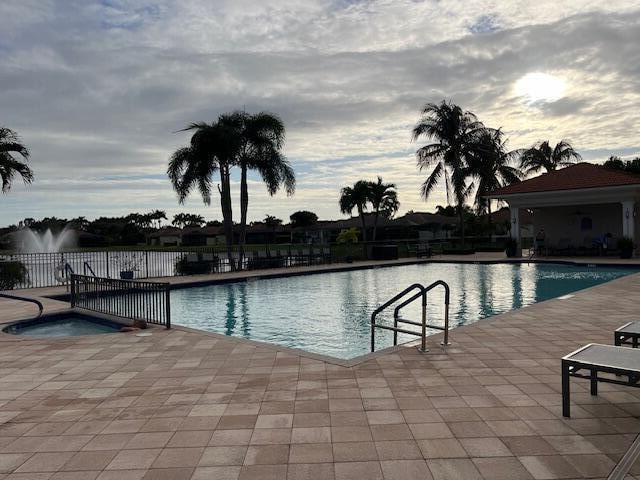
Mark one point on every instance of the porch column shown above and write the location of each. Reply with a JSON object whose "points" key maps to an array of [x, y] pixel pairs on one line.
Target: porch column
{"points": [[628, 221], [515, 228]]}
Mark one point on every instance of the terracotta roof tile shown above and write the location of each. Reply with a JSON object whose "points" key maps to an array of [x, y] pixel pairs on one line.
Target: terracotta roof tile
{"points": [[578, 176]]}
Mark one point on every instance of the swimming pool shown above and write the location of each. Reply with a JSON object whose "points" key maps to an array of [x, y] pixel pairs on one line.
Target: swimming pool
{"points": [[329, 313]]}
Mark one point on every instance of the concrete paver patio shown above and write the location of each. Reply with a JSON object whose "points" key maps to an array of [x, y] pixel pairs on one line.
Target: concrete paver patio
{"points": [[187, 405]]}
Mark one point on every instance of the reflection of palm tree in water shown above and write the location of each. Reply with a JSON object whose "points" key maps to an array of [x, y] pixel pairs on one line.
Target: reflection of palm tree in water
{"points": [[517, 287], [486, 300], [358, 303], [246, 324], [461, 314], [230, 322]]}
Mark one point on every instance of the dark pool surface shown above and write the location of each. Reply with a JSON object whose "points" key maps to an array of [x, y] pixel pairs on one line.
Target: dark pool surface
{"points": [[63, 325]]}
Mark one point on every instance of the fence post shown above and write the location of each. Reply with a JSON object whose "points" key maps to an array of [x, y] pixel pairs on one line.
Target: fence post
{"points": [[167, 299], [146, 263], [107, 255], [73, 290]]}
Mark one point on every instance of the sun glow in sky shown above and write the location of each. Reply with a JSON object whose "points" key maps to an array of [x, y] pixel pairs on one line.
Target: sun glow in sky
{"points": [[539, 87]]}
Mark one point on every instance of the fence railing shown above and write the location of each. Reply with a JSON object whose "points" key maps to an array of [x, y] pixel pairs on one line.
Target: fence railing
{"points": [[52, 269], [134, 299]]}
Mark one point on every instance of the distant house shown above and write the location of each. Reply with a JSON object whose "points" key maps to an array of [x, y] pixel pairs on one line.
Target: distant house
{"points": [[187, 236], [166, 237], [418, 225], [576, 206]]}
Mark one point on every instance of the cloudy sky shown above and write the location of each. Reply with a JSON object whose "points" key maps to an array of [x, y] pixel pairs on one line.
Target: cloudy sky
{"points": [[97, 89]]}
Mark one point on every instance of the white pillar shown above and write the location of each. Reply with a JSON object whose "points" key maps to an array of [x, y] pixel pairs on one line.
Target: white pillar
{"points": [[628, 221], [515, 228]]}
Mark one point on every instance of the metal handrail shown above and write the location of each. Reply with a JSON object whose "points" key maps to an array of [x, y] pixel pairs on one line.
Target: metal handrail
{"points": [[447, 295], [382, 307], [25, 299], [86, 266], [422, 293]]}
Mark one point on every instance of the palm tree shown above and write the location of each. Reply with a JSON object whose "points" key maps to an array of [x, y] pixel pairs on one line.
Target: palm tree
{"points": [[212, 149], [182, 220], [489, 166], [261, 138], [356, 197], [453, 132], [158, 216], [9, 165], [542, 156], [384, 199]]}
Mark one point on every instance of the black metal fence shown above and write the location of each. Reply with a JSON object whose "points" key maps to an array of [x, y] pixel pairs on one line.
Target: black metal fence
{"points": [[53, 269], [134, 299]]}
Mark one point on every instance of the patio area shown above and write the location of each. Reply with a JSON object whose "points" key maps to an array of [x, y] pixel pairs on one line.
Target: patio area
{"points": [[193, 405]]}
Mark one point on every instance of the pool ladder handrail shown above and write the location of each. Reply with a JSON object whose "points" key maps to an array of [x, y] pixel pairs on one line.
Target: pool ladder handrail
{"points": [[86, 266], [422, 293], [25, 299]]}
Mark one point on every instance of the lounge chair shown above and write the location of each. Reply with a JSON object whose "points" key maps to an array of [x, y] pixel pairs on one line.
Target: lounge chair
{"points": [[595, 358], [627, 334]]}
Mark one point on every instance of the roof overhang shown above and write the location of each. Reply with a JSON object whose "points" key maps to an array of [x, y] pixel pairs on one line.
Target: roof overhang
{"points": [[583, 196]]}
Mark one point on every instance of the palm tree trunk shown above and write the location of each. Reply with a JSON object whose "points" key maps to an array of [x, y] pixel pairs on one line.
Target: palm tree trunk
{"points": [[489, 221], [375, 224], [364, 224], [244, 206], [227, 212], [461, 220]]}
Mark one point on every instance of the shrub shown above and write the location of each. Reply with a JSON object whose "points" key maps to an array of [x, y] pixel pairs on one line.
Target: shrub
{"points": [[625, 245], [199, 267], [13, 274], [349, 235]]}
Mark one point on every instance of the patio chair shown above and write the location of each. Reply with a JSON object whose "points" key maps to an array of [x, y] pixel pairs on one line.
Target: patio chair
{"points": [[627, 334], [593, 359]]}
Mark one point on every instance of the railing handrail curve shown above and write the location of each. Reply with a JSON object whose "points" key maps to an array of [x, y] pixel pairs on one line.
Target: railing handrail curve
{"points": [[398, 297], [25, 299], [422, 293]]}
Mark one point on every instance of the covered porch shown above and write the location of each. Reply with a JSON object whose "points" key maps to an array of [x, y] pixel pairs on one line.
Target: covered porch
{"points": [[582, 210]]}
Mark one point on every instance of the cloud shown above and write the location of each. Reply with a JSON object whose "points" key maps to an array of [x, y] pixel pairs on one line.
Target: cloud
{"points": [[97, 90]]}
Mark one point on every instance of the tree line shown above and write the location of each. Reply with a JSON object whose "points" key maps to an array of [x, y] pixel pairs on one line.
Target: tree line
{"points": [[462, 155]]}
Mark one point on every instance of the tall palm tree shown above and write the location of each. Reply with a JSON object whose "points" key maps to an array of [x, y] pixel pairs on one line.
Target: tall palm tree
{"points": [[212, 149], [542, 156], [490, 167], [261, 138], [384, 199], [356, 197], [453, 132], [157, 216], [9, 165]]}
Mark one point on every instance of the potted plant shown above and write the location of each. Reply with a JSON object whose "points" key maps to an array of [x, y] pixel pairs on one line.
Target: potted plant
{"points": [[127, 267], [625, 245], [511, 247]]}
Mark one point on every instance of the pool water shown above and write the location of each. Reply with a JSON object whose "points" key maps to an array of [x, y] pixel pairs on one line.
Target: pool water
{"points": [[330, 313], [64, 325]]}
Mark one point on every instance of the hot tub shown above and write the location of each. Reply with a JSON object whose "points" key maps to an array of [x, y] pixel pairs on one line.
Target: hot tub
{"points": [[65, 324]]}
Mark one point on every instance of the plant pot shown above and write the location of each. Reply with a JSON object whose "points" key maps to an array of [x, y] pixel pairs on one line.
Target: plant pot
{"points": [[126, 275]]}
